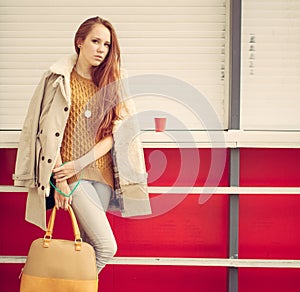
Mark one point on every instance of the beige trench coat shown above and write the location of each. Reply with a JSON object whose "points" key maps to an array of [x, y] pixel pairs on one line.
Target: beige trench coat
{"points": [[41, 138]]}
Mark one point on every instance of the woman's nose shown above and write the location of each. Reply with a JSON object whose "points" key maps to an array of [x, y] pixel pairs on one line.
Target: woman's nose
{"points": [[100, 48]]}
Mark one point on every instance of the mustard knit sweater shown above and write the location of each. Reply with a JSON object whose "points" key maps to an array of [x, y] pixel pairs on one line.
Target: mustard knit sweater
{"points": [[80, 132]]}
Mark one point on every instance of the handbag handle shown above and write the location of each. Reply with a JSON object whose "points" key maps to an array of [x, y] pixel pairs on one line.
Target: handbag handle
{"points": [[49, 232]]}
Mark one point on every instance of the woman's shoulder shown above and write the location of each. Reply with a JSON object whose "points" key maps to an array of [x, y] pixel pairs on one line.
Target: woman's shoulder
{"points": [[49, 77], [61, 68]]}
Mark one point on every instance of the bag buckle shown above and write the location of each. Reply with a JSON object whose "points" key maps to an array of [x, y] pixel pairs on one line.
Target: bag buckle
{"points": [[47, 239], [78, 242]]}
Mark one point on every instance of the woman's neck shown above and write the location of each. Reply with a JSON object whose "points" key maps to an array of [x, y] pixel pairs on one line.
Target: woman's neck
{"points": [[82, 70]]}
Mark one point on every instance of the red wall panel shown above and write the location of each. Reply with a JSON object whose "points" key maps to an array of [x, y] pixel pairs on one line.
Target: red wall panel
{"points": [[187, 229], [269, 224], [269, 280], [8, 160], [9, 277], [187, 167], [270, 167], [163, 279]]}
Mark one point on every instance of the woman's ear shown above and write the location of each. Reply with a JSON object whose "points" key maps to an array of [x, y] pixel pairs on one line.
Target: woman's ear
{"points": [[79, 44]]}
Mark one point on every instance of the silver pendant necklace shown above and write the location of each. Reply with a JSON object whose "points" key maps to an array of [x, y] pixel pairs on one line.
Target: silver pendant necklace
{"points": [[87, 112]]}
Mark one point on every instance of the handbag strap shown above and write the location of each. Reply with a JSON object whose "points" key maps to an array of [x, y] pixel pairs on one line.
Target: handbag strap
{"points": [[61, 192], [49, 232]]}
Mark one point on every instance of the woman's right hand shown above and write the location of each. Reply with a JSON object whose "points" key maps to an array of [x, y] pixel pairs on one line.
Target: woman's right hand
{"points": [[60, 200]]}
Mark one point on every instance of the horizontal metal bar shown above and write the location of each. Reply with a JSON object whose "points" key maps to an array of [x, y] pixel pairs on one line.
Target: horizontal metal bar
{"points": [[196, 262], [208, 262], [196, 190], [225, 190]]}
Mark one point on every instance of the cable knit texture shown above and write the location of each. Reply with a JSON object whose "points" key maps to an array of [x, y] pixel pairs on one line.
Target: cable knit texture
{"points": [[80, 132]]}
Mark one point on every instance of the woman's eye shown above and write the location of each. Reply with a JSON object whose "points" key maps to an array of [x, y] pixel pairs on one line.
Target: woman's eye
{"points": [[107, 45], [95, 41]]}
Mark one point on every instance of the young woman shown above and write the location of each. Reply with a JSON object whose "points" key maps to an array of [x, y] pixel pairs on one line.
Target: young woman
{"points": [[76, 128]]}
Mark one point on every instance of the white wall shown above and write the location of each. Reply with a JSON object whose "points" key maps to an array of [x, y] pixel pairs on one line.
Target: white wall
{"points": [[270, 95], [181, 38]]}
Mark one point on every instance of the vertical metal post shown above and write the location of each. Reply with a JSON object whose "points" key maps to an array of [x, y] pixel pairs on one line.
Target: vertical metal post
{"points": [[235, 64], [234, 124], [234, 219]]}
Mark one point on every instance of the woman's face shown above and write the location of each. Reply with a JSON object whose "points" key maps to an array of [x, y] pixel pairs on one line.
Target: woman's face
{"points": [[95, 47]]}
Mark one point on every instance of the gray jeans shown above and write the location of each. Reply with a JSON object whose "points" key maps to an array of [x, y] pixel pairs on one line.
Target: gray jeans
{"points": [[90, 202]]}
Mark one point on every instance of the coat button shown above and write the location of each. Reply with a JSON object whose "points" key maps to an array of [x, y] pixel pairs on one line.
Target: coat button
{"points": [[43, 157], [66, 109], [39, 184], [57, 134], [42, 187], [49, 160]]}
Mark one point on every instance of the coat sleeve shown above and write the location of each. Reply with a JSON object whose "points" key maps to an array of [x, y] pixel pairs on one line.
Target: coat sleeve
{"points": [[25, 171], [128, 147], [131, 190]]}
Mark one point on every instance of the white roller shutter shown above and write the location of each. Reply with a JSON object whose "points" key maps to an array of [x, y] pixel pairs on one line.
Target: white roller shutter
{"points": [[270, 94], [181, 38]]}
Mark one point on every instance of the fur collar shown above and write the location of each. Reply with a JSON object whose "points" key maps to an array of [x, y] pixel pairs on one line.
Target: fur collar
{"points": [[64, 65]]}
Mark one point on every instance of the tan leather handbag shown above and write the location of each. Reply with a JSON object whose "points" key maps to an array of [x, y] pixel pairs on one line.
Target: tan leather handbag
{"points": [[60, 265]]}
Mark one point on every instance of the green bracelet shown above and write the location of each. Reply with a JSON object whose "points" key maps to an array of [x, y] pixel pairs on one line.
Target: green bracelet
{"points": [[61, 192]]}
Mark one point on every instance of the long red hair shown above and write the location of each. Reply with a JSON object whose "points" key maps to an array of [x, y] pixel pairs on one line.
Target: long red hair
{"points": [[105, 76]]}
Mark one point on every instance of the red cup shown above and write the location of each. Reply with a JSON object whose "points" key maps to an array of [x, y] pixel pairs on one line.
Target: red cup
{"points": [[160, 124]]}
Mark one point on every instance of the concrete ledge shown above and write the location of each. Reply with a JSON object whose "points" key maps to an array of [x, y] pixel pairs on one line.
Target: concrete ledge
{"points": [[198, 139]]}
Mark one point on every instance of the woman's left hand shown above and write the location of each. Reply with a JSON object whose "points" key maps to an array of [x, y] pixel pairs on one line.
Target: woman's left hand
{"points": [[62, 201], [64, 172]]}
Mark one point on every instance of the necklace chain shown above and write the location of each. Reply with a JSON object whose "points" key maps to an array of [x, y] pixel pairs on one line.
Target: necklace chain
{"points": [[81, 74]]}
